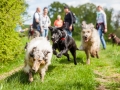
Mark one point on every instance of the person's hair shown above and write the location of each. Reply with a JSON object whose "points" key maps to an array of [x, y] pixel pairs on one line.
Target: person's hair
{"points": [[58, 16], [66, 7], [100, 7], [45, 8], [37, 8]]}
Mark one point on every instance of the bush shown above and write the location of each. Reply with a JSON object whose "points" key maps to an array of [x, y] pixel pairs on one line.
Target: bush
{"points": [[10, 15]]}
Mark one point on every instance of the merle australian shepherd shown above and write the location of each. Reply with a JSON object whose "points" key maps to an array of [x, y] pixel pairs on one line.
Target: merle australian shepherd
{"points": [[63, 43]]}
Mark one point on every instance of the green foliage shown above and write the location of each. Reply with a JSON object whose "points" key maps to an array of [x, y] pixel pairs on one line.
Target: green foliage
{"points": [[56, 8], [6, 67], [10, 15]]}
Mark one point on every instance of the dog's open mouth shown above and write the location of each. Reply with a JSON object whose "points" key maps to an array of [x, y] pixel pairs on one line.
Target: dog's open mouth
{"points": [[85, 39], [54, 41]]}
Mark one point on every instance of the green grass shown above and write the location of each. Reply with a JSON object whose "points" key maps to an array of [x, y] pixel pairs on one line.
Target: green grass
{"points": [[64, 75]]}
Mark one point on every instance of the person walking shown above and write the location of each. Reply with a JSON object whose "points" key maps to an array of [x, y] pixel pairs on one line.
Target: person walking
{"points": [[45, 22], [101, 25], [68, 21]]}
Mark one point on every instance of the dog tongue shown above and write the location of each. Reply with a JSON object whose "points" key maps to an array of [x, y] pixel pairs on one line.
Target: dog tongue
{"points": [[86, 40]]}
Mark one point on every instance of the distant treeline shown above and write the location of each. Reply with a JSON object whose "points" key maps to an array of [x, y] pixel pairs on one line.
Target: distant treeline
{"points": [[85, 12]]}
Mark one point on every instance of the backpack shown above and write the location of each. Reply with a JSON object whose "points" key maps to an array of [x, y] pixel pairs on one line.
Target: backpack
{"points": [[74, 17]]}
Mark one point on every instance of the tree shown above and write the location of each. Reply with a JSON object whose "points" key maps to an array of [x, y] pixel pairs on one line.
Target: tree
{"points": [[117, 20], [56, 8], [10, 15], [87, 12]]}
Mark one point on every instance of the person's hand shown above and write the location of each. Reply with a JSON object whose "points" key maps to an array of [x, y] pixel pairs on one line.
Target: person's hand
{"points": [[41, 30], [70, 28], [105, 31]]}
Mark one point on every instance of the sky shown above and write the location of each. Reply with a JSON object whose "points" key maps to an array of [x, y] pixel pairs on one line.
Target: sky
{"points": [[115, 4]]}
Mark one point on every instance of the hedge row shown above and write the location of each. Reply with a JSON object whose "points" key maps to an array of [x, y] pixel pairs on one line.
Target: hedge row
{"points": [[10, 15]]}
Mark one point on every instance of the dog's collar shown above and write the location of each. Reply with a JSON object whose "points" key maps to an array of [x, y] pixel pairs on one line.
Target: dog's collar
{"points": [[62, 38]]}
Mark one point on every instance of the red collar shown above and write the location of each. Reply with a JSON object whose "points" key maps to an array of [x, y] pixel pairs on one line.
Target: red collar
{"points": [[62, 39]]}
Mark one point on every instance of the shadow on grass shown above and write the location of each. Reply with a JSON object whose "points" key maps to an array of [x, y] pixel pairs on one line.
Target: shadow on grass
{"points": [[19, 77], [22, 77], [65, 61]]}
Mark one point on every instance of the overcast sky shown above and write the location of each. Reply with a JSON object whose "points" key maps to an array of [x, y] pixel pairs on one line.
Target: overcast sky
{"points": [[115, 4]]}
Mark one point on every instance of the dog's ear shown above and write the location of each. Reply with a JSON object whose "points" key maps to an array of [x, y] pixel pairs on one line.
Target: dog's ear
{"points": [[63, 33], [61, 28], [91, 25], [50, 28], [114, 35], [31, 53], [45, 52], [84, 25]]}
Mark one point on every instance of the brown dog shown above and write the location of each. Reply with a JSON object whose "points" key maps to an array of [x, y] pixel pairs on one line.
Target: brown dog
{"points": [[115, 39]]}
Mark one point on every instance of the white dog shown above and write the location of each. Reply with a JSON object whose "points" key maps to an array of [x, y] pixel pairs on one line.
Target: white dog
{"points": [[90, 41], [38, 57]]}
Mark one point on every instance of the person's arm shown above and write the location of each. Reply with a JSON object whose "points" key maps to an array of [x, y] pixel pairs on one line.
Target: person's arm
{"points": [[37, 17], [61, 23], [71, 21], [49, 22], [55, 23], [105, 21], [41, 23]]}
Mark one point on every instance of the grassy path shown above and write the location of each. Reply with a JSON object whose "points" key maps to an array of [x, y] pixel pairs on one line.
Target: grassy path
{"points": [[7, 74], [101, 74]]}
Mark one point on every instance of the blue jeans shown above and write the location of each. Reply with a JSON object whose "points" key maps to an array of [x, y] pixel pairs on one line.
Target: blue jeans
{"points": [[102, 38], [44, 33], [38, 28], [69, 32]]}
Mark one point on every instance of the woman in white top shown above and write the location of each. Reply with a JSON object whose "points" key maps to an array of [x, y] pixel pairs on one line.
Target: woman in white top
{"points": [[45, 22], [101, 25]]}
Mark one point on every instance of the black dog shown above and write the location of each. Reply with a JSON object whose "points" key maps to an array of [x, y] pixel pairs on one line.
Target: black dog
{"points": [[63, 43]]}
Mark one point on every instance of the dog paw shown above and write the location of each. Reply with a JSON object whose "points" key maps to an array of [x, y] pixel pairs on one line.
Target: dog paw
{"points": [[59, 55], [30, 79], [88, 62]]}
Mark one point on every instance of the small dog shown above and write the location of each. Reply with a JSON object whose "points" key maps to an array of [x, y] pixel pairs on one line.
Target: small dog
{"points": [[115, 39], [63, 43], [30, 32], [90, 41]]}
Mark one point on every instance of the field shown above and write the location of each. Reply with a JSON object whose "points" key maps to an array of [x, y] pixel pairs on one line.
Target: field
{"points": [[101, 74]]}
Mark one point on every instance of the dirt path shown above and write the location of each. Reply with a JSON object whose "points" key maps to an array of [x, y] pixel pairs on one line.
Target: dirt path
{"points": [[114, 77], [5, 75]]}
